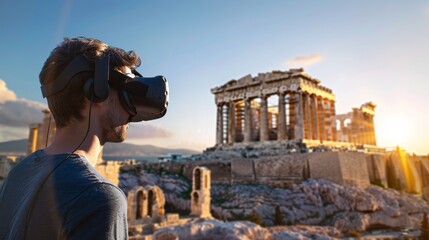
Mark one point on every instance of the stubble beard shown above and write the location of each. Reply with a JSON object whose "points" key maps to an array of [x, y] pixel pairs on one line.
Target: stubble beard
{"points": [[117, 134], [116, 129]]}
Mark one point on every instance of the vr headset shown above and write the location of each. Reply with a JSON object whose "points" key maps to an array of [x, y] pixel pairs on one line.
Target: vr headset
{"points": [[143, 98]]}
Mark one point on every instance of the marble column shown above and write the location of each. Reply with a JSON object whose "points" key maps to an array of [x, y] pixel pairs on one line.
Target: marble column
{"points": [[248, 120], [373, 139], [299, 120], [307, 116], [364, 127], [321, 119], [292, 120], [328, 120], [45, 132], [334, 122], [368, 132], [281, 120], [32, 138], [239, 121], [314, 117], [231, 122], [264, 119], [219, 125], [356, 129]]}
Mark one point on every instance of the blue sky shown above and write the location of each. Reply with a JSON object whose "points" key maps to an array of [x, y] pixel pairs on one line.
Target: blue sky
{"points": [[363, 50]]}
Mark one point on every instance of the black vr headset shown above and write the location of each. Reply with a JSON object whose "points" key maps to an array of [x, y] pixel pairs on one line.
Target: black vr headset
{"points": [[143, 98]]}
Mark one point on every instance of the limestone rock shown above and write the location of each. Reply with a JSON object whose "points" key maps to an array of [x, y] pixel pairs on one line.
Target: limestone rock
{"points": [[166, 236], [304, 233], [312, 202], [213, 229], [127, 181], [351, 221]]}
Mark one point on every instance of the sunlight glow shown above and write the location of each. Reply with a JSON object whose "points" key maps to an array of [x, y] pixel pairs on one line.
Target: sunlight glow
{"points": [[394, 132]]}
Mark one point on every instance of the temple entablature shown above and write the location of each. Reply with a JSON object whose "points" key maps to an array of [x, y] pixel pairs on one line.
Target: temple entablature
{"points": [[272, 83]]}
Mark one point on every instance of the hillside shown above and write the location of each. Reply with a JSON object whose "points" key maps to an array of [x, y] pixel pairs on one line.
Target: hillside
{"points": [[110, 149], [128, 149], [16, 146]]}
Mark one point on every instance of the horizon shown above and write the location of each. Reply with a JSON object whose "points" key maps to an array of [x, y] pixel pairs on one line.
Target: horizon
{"points": [[363, 51]]}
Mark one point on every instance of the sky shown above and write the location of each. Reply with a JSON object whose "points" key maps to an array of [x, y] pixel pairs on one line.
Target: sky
{"points": [[363, 50]]}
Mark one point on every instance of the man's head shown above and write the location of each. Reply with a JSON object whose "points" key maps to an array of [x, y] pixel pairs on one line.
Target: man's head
{"points": [[67, 105]]}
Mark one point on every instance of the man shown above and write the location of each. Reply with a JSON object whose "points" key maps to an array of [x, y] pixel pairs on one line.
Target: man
{"points": [[55, 193]]}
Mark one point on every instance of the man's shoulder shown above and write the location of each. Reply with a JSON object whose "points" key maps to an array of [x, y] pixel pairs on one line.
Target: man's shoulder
{"points": [[77, 170], [77, 174], [105, 193]]}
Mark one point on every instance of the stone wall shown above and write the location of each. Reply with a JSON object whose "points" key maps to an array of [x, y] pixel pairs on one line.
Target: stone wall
{"points": [[394, 169], [109, 170], [424, 173], [354, 169], [346, 168], [326, 165], [403, 172], [281, 171], [242, 171], [220, 170], [377, 169]]}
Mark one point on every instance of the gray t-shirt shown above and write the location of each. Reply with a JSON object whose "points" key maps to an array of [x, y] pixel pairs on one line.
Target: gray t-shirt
{"points": [[51, 197]]}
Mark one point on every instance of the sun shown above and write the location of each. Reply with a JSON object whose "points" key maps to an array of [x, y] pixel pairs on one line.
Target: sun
{"points": [[394, 131]]}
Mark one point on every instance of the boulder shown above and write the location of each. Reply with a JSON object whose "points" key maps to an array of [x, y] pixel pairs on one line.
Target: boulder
{"points": [[214, 229]]}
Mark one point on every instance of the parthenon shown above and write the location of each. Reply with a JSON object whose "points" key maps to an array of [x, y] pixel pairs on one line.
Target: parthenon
{"points": [[282, 106], [357, 126]]}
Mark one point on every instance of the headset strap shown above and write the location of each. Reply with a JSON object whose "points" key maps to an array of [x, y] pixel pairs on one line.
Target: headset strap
{"points": [[78, 64]]}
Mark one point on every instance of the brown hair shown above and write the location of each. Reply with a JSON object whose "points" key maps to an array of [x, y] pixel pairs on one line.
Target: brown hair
{"points": [[68, 104]]}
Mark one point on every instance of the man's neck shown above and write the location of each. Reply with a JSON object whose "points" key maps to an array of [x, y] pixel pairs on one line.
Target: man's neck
{"points": [[67, 140]]}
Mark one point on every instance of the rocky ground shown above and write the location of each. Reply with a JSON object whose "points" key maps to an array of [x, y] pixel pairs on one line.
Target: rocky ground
{"points": [[334, 208], [243, 230]]}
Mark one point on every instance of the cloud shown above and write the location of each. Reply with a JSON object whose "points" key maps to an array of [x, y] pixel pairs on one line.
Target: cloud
{"points": [[303, 61], [12, 133], [5, 93], [18, 112], [137, 131], [21, 113]]}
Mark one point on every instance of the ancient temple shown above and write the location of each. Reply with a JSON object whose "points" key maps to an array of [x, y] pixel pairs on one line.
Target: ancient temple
{"points": [[357, 126], [287, 106], [304, 109]]}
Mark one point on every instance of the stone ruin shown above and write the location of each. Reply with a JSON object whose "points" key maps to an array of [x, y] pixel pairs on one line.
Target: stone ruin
{"points": [[145, 203], [357, 126], [200, 196], [303, 113], [146, 212]]}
